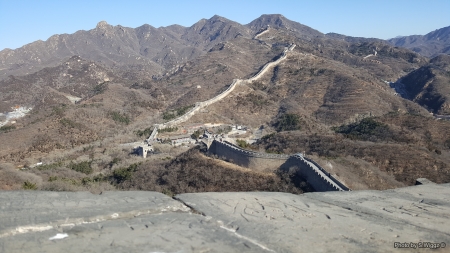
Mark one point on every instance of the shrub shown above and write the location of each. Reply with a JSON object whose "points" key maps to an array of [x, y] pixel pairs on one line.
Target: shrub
{"points": [[193, 172], [242, 143], [95, 179], [114, 161], [90, 147], [100, 88], [119, 117], [447, 143], [69, 123], [83, 167], [196, 134], [27, 185], [183, 110], [177, 112], [367, 130], [288, 122], [7, 128], [169, 115], [59, 111], [145, 132], [168, 129], [225, 130], [123, 174], [49, 166], [168, 192], [267, 136]]}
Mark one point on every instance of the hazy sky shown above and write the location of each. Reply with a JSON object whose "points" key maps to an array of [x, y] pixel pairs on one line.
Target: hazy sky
{"points": [[23, 22]]}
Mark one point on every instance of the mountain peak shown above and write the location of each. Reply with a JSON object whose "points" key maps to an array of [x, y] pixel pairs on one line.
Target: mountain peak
{"points": [[272, 16], [102, 24], [280, 21], [216, 18]]}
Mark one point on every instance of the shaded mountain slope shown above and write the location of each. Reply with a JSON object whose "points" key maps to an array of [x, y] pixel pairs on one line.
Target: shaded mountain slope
{"points": [[429, 85]]}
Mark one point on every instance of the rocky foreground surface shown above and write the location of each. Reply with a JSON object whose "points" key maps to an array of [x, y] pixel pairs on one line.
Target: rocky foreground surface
{"points": [[358, 221]]}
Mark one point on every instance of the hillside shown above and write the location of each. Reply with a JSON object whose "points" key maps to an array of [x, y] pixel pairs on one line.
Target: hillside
{"points": [[92, 108], [145, 48], [429, 85]]}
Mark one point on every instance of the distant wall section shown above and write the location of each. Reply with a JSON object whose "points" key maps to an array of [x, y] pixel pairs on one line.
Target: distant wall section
{"points": [[246, 158]]}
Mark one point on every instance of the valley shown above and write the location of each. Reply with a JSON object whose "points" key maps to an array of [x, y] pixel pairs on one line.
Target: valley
{"points": [[293, 89]]}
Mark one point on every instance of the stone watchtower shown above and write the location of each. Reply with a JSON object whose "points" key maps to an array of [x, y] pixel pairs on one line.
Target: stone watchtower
{"points": [[143, 150]]}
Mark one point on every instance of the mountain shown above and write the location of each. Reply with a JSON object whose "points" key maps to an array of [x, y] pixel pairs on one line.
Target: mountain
{"points": [[279, 21], [430, 45], [152, 49], [96, 93]]}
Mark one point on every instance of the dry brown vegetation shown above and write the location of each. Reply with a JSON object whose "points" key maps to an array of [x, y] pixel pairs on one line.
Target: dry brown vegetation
{"points": [[410, 147], [323, 83], [193, 172]]}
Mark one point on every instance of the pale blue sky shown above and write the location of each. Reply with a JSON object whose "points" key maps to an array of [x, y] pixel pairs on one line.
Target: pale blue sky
{"points": [[23, 22]]}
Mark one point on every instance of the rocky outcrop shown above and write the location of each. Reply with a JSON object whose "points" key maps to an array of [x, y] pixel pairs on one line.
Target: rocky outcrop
{"points": [[358, 221]]}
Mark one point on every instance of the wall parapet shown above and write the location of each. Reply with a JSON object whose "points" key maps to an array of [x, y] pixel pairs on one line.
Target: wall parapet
{"points": [[253, 153], [345, 188], [317, 176], [321, 174]]}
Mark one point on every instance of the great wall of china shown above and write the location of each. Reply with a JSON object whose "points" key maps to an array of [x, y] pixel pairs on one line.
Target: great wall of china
{"points": [[200, 105], [315, 175]]}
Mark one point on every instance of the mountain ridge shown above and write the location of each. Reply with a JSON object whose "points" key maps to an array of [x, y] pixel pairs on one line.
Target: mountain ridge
{"points": [[430, 45], [330, 98], [154, 48]]}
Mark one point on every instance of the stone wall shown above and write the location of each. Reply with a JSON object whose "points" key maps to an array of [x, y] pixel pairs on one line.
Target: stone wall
{"points": [[246, 158], [329, 176], [201, 105], [315, 175], [272, 64]]}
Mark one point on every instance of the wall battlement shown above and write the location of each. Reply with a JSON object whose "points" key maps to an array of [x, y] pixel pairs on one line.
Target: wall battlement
{"points": [[246, 158], [313, 173]]}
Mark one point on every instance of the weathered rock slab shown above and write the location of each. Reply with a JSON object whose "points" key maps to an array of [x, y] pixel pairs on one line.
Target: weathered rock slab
{"points": [[358, 221], [34, 221], [26, 210]]}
